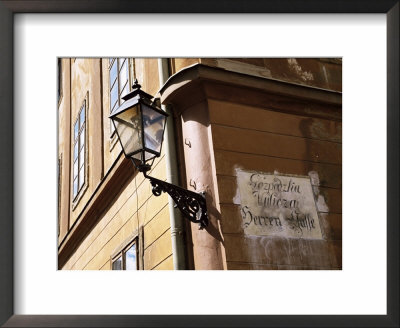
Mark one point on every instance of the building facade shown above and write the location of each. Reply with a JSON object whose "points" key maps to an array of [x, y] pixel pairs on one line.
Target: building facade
{"points": [[261, 137]]}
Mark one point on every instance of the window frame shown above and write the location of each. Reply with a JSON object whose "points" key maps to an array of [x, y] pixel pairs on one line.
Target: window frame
{"points": [[117, 83], [81, 181], [122, 255]]}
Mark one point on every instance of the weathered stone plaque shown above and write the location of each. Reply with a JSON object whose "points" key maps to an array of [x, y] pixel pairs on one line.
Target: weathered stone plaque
{"points": [[278, 205]]}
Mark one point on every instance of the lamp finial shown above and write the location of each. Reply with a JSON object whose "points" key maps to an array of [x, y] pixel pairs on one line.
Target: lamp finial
{"points": [[136, 85]]}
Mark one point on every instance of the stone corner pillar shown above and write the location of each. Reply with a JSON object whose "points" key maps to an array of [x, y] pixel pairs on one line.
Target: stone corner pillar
{"points": [[185, 92]]}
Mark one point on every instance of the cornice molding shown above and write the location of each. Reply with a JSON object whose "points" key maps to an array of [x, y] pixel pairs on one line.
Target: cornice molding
{"points": [[199, 82]]}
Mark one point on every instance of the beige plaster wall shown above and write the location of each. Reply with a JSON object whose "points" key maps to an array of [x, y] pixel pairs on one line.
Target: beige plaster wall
{"points": [[251, 138]]}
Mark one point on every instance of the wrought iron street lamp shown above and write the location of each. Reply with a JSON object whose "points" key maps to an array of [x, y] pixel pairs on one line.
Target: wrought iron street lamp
{"points": [[140, 126]]}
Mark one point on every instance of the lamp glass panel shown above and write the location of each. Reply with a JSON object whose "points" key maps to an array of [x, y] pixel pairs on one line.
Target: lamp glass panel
{"points": [[153, 124], [138, 156], [129, 129], [148, 156]]}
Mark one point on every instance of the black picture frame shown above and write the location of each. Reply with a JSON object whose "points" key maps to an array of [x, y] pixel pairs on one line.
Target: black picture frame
{"points": [[7, 11]]}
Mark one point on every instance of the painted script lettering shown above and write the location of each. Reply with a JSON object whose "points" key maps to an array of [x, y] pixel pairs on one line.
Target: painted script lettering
{"points": [[278, 205]]}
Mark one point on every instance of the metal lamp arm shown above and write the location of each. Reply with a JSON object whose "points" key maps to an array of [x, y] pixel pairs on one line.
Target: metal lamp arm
{"points": [[189, 202]]}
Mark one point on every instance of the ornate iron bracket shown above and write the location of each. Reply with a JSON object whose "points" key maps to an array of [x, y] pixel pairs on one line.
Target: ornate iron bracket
{"points": [[189, 202]]}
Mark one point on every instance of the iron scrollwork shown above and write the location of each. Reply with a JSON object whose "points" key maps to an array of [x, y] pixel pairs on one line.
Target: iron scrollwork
{"points": [[189, 202]]}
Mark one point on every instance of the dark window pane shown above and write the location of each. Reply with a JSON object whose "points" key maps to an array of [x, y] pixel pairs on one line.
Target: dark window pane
{"points": [[81, 176], [114, 95], [82, 116], [130, 258], [115, 105], [76, 129], [121, 62], [113, 73], [123, 75], [75, 151], [124, 92], [117, 264], [81, 157], [75, 168], [75, 187], [82, 139]]}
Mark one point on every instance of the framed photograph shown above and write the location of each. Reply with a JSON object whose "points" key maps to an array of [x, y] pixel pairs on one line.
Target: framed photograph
{"points": [[113, 112]]}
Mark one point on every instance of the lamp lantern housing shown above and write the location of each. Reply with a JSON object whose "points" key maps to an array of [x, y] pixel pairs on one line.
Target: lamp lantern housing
{"points": [[140, 127]]}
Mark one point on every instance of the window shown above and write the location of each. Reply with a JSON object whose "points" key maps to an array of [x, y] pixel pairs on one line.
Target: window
{"points": [[119, 82], [129, 254], [79, 151], [127, 259]]}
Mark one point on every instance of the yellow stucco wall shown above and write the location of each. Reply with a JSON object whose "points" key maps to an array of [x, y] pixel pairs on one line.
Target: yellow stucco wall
{"points": [[63, 150], [132, 209], [135, 208], [82, 91]]}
